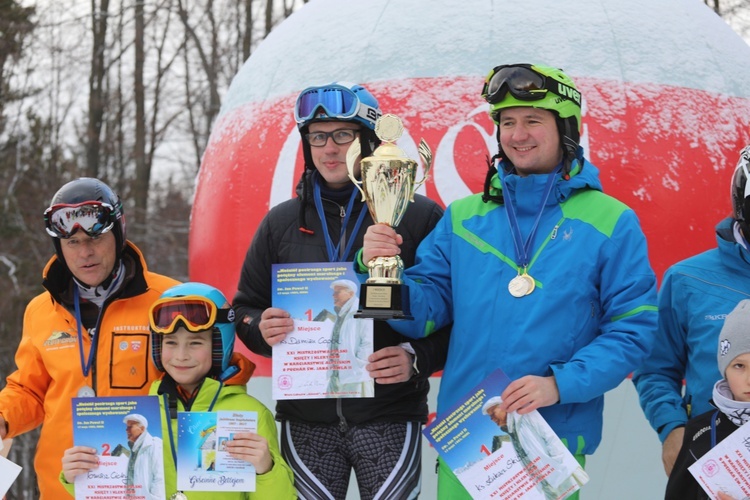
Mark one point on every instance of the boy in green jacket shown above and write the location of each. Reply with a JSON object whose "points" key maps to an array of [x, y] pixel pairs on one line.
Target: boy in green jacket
{"points": [[192, 341]]}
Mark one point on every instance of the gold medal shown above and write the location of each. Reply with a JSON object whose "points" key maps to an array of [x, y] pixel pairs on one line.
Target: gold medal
{"points": [[531, 282], [519, 286], [178, 496]]}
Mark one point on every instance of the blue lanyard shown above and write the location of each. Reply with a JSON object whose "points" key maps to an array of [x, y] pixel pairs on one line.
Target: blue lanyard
{"points": [[86, 366], [334, 250], [523, 249]]}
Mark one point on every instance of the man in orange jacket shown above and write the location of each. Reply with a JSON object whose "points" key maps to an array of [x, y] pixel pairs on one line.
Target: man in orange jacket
{"points": [[88, 334]]}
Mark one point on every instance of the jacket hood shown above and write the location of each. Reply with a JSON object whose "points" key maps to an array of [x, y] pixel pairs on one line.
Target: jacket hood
{"points": [[732, 254], [725, 230]]}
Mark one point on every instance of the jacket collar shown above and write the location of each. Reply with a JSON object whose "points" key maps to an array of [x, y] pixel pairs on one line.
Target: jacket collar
{"points": [[209, 391], [731, 253], [59, 282], [582, 176]]}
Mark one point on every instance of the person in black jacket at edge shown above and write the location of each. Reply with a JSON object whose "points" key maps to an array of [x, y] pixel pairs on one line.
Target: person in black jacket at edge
{"points": [[323, 439], [731, 398]]}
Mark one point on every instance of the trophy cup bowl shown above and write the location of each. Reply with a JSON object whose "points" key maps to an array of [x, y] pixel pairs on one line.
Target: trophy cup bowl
{"points": [[387, 186]]}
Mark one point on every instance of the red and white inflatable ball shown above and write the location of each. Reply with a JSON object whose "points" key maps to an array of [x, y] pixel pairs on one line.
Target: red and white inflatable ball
{"points": [[666, 107]]}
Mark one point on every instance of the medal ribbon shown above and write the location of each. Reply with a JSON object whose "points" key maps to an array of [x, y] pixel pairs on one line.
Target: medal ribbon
{"points": [[165, 398], [334, 250], [85, 366], [523, 249], [165, 403]]}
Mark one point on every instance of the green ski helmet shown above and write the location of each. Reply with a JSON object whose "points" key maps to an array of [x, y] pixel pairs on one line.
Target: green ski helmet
{"points": [[537, 86]]}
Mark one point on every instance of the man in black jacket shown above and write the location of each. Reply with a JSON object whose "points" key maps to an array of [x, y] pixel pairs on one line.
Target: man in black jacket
{"points": [[323, 439]]}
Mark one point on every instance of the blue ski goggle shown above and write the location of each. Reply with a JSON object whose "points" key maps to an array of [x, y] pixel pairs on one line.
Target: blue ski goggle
{"points": [[336, 101]]}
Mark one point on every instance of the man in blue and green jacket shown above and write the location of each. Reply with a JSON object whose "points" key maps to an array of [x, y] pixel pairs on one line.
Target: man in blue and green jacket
{"points": [[543, 275]]}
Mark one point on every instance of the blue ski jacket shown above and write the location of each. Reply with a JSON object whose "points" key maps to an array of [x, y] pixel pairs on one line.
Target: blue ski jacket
{"points": [[589, 322], [696, 295]]}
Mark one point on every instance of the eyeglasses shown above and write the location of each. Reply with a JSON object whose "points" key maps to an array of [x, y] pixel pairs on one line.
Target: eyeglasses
{"points": [[196, 313], [340, 136], [336, 101], [92, 217], [524, 84]]}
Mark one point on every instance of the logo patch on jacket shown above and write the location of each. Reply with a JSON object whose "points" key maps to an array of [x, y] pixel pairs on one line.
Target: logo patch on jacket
{"points": [[60, 339], [136, 345]]}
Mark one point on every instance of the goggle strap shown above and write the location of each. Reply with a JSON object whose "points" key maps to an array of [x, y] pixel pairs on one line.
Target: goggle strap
{"points": [[368, 112], [554, 86], [225, 316]]}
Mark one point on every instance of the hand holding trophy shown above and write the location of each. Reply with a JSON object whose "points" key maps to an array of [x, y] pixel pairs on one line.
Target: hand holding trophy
{"points": [[387, 186]]}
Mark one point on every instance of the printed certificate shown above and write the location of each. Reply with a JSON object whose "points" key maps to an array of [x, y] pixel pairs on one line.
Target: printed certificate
{"points": [[726, 467], [326, 354], [9, 471], [503, 455], [126, 431], [203, 464]]}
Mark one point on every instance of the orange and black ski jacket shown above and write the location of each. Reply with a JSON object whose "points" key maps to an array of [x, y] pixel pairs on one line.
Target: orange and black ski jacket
{"points": [[49, 369]]}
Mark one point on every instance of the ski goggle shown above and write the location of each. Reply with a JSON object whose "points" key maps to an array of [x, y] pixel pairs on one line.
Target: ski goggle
{"points": [[92, 217], [742, 172], [524, 84], [336, 101], [194, 312]]}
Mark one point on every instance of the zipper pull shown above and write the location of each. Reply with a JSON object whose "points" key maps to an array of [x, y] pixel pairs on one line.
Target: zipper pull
{"points": [[553, 235], [342, 211]]}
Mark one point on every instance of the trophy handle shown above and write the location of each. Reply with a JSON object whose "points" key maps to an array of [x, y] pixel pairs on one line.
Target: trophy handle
{"points": [[351, 159], [426, 154]]}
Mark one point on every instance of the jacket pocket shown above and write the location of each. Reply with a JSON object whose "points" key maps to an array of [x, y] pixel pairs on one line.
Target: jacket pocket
{"points": [[129, 360]]}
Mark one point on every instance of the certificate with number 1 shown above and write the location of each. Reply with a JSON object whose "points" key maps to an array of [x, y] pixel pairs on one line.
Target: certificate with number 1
{"points": [[326, 354]]}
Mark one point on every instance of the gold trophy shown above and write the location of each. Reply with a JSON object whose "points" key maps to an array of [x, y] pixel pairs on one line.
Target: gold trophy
{"points": [[387, 186]]}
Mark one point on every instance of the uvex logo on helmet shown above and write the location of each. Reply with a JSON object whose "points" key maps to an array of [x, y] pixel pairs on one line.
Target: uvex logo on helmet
{"points": [[569, 92]]}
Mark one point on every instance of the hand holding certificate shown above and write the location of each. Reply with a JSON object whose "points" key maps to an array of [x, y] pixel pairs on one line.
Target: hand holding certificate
{"points": [[129, 462], [496, 454], [204, 462], [726, 468], [326, 354]]}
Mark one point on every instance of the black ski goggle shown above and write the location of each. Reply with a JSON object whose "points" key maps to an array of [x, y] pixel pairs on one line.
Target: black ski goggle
{"points": [[524, 84]]}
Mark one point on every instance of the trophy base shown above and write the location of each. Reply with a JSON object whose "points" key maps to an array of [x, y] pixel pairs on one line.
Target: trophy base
{"points": [[384, 301]]}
